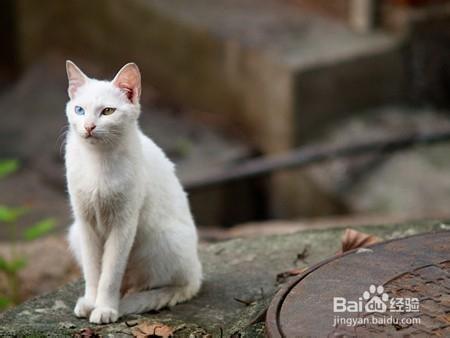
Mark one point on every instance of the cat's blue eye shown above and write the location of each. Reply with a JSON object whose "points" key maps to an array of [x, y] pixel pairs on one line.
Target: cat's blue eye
{"points": [[79, 110]]}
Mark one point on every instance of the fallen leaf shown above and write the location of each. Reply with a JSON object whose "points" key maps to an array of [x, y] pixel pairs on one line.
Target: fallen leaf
{"points": [[146, 329], [86, 333], [353, 239], [283, 276], [131, 323], [302, 255], [243, 301]]}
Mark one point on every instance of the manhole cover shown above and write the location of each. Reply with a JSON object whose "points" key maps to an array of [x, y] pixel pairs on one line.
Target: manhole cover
{"points": [[406, 282]]}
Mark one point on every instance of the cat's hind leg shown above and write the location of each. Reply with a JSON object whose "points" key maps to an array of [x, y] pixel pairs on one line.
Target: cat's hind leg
{"points": [[156, 299], [73, 237]]}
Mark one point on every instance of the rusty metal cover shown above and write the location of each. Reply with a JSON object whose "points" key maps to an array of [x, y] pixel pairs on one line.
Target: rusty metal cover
{"points": [[411, 276]]}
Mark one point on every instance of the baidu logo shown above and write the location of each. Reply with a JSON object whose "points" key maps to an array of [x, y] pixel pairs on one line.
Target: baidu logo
{"points": [[376, 299], [372, 300]]}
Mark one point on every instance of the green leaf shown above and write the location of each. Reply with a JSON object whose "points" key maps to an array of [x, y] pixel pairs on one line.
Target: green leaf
{"points": [[4, 302], [9, 215], [8, 167], [17, 264], [39, 229], [4, 265], [12, 266]]}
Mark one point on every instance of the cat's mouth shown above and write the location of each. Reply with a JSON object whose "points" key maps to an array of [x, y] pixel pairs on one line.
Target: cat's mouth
{"points": [[94, 138], [90, 136]]}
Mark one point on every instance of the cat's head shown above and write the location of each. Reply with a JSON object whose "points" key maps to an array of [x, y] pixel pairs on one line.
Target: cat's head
{"points": [[101, 111]]}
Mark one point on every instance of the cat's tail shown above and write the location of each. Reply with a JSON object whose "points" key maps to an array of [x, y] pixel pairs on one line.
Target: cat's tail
{"points": [[156, 299]]}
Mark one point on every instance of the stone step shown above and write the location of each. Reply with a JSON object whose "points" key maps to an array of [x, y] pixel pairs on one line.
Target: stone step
{"points": [[277, 70]]}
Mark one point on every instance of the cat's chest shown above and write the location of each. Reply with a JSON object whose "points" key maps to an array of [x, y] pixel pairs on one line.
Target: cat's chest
{"points": [[99, 193], [99, 190], [98, 181]]}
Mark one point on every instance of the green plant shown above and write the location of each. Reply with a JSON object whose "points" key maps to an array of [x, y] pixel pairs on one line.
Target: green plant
{"points": [[8, 167], [11, 266]]}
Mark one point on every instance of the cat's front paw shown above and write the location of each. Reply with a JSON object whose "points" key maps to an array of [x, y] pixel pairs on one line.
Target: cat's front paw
{"points": [[83, 307], [104, 315]]}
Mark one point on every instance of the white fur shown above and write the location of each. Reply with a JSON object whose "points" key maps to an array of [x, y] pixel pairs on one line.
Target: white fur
{"points": [[133, 234]]}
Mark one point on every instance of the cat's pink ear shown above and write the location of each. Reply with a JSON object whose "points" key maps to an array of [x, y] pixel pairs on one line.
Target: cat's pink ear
{"points": [[76, 78], [128, 79]]}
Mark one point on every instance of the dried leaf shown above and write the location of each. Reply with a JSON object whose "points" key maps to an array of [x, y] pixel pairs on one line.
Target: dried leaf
{"points": [[146, 329], [283, 276], [353, 239], [301, 256], [243, 301], [87, 332]]}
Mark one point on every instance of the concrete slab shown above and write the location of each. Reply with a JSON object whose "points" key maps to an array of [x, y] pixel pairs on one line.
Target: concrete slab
{"points": [[240, 280]]}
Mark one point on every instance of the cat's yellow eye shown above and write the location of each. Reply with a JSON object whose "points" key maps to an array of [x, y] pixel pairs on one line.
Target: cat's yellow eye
{"points": [[108, 111]]}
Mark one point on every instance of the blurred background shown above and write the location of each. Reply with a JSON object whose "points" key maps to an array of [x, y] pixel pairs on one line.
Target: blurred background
{"points": [[229, 86]]}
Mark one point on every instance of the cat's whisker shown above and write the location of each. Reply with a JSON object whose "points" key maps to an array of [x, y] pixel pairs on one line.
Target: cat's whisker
{"points": [[61, 136], [61, 139], [63, 127], [62, 131], [61, 146]]}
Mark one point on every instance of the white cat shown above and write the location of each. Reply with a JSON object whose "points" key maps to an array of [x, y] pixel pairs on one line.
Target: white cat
{"points": [[133, 235]]}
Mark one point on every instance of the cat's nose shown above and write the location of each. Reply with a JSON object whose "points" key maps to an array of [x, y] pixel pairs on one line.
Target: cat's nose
{"points": [[89, 127]]}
